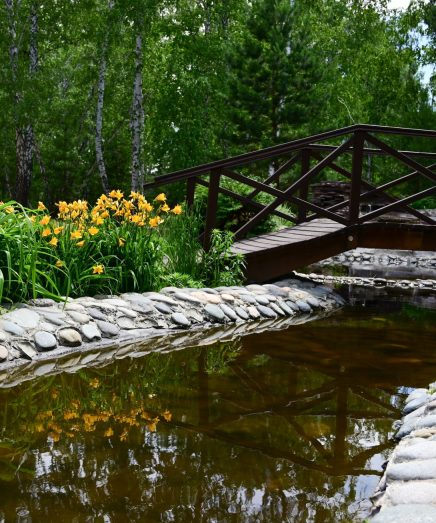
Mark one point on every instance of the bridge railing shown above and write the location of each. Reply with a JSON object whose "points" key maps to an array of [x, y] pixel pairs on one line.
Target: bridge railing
{"points": [[358, 142]]}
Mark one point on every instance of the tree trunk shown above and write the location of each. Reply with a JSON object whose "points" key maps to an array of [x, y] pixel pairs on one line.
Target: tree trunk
{"points": [[137, 120], [99, 119]]}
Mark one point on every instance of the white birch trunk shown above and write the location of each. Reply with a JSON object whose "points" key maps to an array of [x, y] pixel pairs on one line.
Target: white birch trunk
{"points": [[137, 120], [99, 119]]}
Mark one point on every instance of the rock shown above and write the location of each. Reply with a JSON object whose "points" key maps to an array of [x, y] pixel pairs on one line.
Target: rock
{"points": [[262, 299], [412, 513], [45, 341], [423, 450], [292, 305], [126, 323], [180, 319], [276, 291], [242, 313], [416, 403], [287, 310], [248, 298], [25, 318], [267, 312], [214, 312], [11, 327], [416, 492], [253, 312], [154, 296], [276, 309], [228, 311], [91, 332], [42, 302], [74, 307], [212, 298], [57, 318], [227, 297], [313, 302], [3, 353], [208, 290], [27, 350], [128, 312], [107, 329], [78, 317], [162, 307], [69, 337], [303, 306], [3, 336], [411, 470], [186, 297], [96, 314]]}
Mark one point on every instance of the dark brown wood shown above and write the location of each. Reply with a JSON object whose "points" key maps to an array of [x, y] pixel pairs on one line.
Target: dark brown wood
{"points": [[247, 201], [356, 176], [304, 190], [212, 205], [276, 175], [190, 191]]}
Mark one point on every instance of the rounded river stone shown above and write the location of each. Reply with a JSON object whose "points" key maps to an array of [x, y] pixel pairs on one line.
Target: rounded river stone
{"points": [[303, 306], [11, 327], [262, 299], [24, 318], [69, 337], [229, 312], [312, 301], [162, 307], [214, 312], [180, 319], [96, 314], [45, 340], [242, 313], [3, 353], [267, 312], [79, 317], [108, 329], [91, 332]]}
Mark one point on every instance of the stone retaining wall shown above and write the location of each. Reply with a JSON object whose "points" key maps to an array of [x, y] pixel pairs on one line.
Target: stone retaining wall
{"points": [[103, 327], [407, 490]]}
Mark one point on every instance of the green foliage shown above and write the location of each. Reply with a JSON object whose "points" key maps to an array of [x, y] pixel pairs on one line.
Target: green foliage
{"points": [[220, 266], [81, 253]]}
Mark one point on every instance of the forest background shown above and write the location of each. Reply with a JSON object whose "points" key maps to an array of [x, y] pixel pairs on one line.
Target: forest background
{"points": [[102, 94]]}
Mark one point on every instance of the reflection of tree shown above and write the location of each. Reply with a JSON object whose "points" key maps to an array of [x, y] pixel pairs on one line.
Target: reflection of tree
{"points": [[245, 432]]}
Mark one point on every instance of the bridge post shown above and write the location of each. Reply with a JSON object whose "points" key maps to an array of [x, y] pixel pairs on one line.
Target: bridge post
{"points": [[304, 190], [190, 192], [356, 176], [212, 206]]}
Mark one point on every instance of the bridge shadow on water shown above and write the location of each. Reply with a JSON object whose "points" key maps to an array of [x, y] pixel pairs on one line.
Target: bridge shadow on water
{"points": [[286, 426]]}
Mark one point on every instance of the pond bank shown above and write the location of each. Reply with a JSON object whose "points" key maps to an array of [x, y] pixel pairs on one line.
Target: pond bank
{"points": [[407, 490], [46, 330]]}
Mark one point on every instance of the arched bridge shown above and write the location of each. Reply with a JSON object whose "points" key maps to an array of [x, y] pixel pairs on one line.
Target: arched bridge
{"points": [[278, 181]]}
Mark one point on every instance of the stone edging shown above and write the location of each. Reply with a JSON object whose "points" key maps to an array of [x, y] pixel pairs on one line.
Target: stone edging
{"points": [[407, 490], [46, 330], [369, 282]]}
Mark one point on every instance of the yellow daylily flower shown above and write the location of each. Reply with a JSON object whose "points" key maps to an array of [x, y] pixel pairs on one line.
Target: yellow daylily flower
{"points": [[46, 232], [45, 220], [59, 263], [75, 235], [97, 269], [177, 209], [116, 194], [57, 230], [154, 222], [41, 207], [80, 244], [160, 197], [121, 242], [54, 241], [10, 209], [93, 231], [165, 207]]}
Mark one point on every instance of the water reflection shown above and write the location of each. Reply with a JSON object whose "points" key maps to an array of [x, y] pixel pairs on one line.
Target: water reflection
{"points": [[283, 426]]}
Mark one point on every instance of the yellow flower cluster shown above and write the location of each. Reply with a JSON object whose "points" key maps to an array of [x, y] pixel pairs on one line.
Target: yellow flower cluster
{"points": [[79, 223]]}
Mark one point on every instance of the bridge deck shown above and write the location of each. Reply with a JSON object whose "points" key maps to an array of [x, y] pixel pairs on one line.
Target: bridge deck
{"points": [[275, 254]]}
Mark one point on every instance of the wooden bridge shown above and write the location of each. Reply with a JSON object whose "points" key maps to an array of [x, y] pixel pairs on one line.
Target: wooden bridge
{"points": [[318, 231]]}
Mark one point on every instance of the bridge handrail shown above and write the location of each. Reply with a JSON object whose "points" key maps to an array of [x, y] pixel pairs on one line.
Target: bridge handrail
{"points": [[303, 150]]}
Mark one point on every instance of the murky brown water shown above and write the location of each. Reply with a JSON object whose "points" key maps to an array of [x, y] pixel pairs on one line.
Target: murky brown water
{"points": [[288, 426]]}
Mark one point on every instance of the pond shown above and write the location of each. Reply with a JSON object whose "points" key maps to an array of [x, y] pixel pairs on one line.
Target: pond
{"points": [[288, 426]]}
